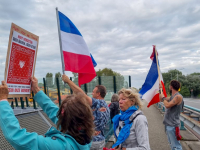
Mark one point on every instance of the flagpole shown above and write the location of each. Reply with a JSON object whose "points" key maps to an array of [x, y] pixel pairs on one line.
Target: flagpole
{"points": [[60, 42], [158, 68]]}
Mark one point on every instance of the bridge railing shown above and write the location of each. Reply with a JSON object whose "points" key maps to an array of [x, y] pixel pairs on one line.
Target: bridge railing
{"points": [[190, 118], [108, 131]]}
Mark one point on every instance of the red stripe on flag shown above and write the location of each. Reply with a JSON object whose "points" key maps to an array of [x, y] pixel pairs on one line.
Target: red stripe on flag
{"points": [[154, 100], [81, 64], [152, 55], [164, 91]]}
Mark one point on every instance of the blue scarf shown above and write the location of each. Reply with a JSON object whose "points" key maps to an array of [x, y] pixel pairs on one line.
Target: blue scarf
{"points": [[125, 131]]}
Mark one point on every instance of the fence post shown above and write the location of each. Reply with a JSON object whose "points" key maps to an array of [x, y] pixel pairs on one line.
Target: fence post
{"points": [[12, 105], [16, 102], [45, 90], [27, 105], [58, 89], [34, 105], [22, 102], [182, 126], [99, 80], [70, 88], [114, 84], [85, 87], [129, 81]]}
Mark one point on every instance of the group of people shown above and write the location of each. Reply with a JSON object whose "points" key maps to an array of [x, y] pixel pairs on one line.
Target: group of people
{"points": [[81, 120]]}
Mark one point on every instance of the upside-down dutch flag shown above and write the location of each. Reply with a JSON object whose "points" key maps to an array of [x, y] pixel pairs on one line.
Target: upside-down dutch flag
{"points": [[77, 57], [150, 88]]}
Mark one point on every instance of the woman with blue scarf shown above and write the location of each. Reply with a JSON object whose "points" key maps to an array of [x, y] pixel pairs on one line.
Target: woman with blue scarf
{"points": [[130, 126]]}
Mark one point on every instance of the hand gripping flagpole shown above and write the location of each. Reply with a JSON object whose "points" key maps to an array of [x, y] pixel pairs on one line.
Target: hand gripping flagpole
{"points": [[158, 68], [61, 51]]}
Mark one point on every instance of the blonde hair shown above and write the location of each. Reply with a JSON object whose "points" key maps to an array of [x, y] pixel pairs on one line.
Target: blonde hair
{"points": [[132, 96]]}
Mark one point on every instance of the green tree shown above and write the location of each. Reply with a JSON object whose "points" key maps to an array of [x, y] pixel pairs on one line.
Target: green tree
{"points": [[49, 79], [107, 79], [185, 91], [195, 73], [59, 76], [188, 82], [107, 72], [193, 84]]}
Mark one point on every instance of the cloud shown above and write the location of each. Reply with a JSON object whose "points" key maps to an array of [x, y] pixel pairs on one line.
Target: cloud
{"points": [[119, 34]]}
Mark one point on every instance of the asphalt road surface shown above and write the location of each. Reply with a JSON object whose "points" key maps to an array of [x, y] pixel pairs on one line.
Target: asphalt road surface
{"points": [[192, 102]]}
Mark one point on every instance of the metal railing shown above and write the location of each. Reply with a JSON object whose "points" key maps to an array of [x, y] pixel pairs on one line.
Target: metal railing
{"points": [[56, 89], [108, 131], [190, 118]]}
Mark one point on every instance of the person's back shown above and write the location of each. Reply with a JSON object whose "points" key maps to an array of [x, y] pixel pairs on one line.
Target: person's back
{"points": [[101, 114], [101, 118], [73, 119], [114, 106], [114, 109]]}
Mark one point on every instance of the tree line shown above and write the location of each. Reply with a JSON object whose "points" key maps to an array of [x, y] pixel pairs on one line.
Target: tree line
{"points": [[190, 84], [106, 75]]}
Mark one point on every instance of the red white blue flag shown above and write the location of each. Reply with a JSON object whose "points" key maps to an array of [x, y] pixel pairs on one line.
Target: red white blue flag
{"points": [[76, 55], [150, 88]]}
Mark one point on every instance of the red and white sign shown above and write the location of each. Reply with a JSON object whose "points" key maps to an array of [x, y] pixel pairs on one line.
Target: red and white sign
{"points": [[21, 63]]}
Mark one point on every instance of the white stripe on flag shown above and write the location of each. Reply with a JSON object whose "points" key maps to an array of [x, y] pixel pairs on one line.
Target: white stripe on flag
{"points": [[74, 43], [148, 96]]}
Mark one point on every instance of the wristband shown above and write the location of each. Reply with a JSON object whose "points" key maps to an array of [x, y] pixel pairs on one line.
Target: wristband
{"points": [[164, 98]]}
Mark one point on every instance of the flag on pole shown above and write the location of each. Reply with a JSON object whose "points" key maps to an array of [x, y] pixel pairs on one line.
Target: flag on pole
{"points": [[150, 88], [93, 61], [76, 55]]}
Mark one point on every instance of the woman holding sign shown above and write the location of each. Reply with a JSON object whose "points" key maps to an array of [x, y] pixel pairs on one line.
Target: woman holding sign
{"points": [[74, 122]]}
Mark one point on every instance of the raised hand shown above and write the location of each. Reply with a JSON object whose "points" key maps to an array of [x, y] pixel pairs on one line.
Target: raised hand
{"points": [[65, 78], [3, 90], [34, 85]]}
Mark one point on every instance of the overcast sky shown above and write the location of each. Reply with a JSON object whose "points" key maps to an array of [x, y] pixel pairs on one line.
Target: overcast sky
{"points": [[119, 34]]}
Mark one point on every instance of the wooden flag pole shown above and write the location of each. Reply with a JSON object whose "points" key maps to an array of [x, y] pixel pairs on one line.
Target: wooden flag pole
{"points": [[61, 52], [158, 68]]}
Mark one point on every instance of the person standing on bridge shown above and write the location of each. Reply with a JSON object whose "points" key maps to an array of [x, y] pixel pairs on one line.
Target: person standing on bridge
{"points": [[114, 106], [100, 110], [130, 126], [74, 122], [174, 105]]}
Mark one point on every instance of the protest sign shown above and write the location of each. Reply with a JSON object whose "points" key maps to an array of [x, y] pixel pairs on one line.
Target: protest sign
{"points": [[20, 61]]}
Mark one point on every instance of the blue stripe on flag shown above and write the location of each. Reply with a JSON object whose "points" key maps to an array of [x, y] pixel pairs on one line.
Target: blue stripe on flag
{"points": [[93, 61], [151, 77], [66, 25]]}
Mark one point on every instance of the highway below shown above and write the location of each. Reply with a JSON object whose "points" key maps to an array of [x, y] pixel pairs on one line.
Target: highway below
{"points": [[192, 102]]}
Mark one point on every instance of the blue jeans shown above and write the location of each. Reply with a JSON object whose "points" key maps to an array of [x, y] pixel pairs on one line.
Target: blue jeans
{"points": [[174, 143]]}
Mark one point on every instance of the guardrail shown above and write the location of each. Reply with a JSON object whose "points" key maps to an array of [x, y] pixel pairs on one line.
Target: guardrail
{"points": [[190, 118], [108, 131]]}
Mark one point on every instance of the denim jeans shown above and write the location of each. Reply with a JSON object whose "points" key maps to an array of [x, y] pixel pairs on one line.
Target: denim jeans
{"points": [[174, 143], [97, 145]]}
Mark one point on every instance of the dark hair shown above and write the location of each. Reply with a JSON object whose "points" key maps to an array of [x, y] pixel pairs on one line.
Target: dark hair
{"points": [[102, 90], [77, 119], [115, 98], [175, 84]]}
